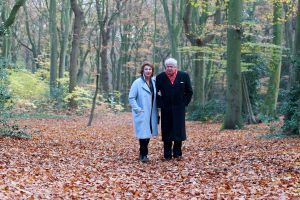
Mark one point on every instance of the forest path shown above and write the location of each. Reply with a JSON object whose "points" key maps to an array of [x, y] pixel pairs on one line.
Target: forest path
{"points": [[65, 159]]}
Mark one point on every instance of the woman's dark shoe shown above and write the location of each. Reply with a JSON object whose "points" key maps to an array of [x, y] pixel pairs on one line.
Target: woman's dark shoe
{"points": [[144, 159]]}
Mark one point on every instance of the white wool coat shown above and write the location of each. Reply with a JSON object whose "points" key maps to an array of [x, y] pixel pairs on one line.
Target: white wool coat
{"points": [[142, 109]]}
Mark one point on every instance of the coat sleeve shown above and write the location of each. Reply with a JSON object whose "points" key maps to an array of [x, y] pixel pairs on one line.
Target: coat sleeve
{"points": [[132, 97], [188, 91]]}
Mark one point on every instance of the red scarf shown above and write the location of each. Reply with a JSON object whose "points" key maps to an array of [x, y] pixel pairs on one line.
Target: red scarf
{"points": [[172, 78]]}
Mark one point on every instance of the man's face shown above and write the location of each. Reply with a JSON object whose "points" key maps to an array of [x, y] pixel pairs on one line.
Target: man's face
{"points": [[170, 70]]}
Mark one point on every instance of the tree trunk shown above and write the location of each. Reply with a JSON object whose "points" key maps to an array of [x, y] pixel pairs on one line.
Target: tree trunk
{"points": [[94, 101], [174, 24], [65, 30], [12, 17], [275, 63], [75, 49], [246, 102], [192, 21], [233, 71], [53, 47], [105, 22], [34, 51], [6, 37], [297, 48]]}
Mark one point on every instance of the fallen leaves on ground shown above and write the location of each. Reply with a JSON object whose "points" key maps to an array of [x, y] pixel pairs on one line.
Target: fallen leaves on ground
{"points": [[68, 160]]}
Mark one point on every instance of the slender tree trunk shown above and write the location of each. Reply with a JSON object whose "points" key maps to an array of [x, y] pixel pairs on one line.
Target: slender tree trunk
{"points": [[246, 102], [53, 47], [289, 41], [35, 65], [7, 37], [174, 23], [234, 93], [12, 16], [65, 30], [154, 36], [94, 101], [199, 79], [75, 49], [275, 63]]}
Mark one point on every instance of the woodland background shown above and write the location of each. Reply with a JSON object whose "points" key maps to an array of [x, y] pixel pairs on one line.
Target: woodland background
{"points": [[66, 63]]}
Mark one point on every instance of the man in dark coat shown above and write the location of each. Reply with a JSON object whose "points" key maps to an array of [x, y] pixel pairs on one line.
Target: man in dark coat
{"points": [[174, 93]]}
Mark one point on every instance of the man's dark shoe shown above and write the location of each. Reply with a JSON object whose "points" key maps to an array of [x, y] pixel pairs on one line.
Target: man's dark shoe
{"points": [[178, 157], [168, 158], [144, 159]]}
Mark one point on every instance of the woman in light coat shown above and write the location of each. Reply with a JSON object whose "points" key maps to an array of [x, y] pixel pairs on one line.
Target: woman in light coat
{"points": [[142, 98]]}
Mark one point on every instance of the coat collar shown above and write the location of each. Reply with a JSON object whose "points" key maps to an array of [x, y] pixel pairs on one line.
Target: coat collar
{"points": [[144, 84], [176, 78]]}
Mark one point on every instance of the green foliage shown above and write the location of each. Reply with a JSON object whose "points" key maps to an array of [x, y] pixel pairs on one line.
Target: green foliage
{"points": [[27, 86], [291, 108], [113, 99], [212, 110], [82, 97], [7, 130], [14, 131], [5, 95], [253, 73]]}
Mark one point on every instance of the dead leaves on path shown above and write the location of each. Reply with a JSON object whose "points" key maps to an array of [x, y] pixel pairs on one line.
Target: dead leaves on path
{"points": [[67, 160]]}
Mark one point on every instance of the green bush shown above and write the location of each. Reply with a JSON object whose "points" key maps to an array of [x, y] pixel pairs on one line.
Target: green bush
{"points": [[213, 110], [291, 108], [27, 86], [83, 98], [14, 131], [7, 130]]}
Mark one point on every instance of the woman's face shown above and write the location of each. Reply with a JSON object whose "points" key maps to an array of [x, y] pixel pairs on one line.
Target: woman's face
{"points": [[147, 71]]}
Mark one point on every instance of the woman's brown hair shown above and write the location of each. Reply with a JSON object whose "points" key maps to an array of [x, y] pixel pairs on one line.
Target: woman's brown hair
{"points": [[143, 67]]}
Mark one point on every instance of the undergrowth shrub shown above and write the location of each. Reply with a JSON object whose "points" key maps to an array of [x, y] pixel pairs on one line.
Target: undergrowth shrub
{"points": [[291, 109], [7, 130], [213, 110]]}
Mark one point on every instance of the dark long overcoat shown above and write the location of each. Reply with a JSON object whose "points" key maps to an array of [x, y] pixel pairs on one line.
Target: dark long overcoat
{"points": [[172, 100]]}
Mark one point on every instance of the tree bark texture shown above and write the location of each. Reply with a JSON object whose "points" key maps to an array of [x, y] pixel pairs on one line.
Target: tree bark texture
{"points": [[53, 47], [32, 42], [12, 17], [65, 30], [94, 101], [246, 102], [275, 63], [75, 49], [234, 93]]}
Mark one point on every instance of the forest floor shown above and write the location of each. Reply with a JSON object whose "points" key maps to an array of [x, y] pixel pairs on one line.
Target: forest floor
{"points": [[65, 159]]}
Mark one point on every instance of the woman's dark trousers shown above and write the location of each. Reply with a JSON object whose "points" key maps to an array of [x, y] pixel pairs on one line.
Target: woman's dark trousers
{"points": [[144, 147]]}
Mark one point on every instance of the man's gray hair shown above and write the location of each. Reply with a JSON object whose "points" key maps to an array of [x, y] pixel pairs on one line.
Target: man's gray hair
{"points": [[171, 61]]}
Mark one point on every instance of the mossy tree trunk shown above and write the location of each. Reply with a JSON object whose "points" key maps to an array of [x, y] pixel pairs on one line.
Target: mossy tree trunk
{"points": [[275, 63], [234, 93], [75, 49], [65, 31]]}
